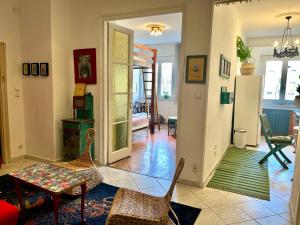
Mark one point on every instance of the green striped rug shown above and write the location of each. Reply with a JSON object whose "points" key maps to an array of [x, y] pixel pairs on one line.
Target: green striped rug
{"points": [[240, 172]]}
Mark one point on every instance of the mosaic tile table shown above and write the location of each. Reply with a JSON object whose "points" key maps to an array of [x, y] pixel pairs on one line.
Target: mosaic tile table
{"points": [[52, 179]]}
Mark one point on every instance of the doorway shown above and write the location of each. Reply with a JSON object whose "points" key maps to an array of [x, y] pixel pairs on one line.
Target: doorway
{"points": [[151, 154], [4, 134]]}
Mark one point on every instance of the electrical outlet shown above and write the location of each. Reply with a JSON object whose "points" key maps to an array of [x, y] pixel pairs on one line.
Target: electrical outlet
{"points": [[195, 167]]}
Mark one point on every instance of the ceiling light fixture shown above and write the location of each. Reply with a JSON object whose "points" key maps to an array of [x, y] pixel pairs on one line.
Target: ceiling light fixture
{"points": [[156, 29], [287, 47]]}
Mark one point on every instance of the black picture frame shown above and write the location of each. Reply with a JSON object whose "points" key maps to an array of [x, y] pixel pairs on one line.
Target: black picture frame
{"points": [[35, 71], [26, 69], [196, 66], [44, 69], [224, 67]]}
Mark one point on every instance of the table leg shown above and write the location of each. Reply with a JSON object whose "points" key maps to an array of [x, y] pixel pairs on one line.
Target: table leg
{"points": [[83, 194], [55, 199], [19, 194]]}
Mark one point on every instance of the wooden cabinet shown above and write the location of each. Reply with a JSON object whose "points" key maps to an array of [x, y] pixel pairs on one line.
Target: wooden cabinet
{"points": [[74, 137], [74, 130], [279, 120]]}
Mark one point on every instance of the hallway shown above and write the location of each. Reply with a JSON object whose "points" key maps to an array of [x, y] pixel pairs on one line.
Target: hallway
{"points": [[152, 155]]}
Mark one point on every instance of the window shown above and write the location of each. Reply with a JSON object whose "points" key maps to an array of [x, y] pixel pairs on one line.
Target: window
{"points": [[292, 80], [281, 79], [272, 79], [166, 80]]}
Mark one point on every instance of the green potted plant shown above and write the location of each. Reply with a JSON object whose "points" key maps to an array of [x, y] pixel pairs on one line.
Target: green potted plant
{"points": [[297, 98], [244, 54], [166, 94]]}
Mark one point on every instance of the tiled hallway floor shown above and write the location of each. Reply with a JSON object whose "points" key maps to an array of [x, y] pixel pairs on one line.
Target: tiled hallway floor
{"points": [[218, 207]]}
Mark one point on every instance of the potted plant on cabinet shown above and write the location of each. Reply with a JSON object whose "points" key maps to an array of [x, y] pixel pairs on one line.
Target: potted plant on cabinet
{"points": [[297, 98], [244, 54]]}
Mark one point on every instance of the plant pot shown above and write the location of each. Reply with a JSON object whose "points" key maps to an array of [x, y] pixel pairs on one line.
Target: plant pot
{"points": [[297, 101], [247, 69]]}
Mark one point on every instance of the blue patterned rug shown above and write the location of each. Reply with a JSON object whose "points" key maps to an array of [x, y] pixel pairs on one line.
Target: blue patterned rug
{"points": [[39, 210]]}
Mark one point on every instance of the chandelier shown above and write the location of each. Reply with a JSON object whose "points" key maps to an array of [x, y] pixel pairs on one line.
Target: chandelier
{"points": [[156, 29], [287, 47]]}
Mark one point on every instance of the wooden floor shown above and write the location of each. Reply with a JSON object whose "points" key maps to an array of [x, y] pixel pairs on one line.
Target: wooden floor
{"points": [[152, 155]]}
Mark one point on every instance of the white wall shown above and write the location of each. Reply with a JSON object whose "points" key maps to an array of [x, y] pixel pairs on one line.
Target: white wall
{"points": [[38, 91], [257, 54], [225, 29], [62, 62], [87, 31], [10, 35]]}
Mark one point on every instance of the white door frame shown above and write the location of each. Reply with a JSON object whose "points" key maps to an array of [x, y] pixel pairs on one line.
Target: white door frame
{"points": [[103, 86], [4, 126]]}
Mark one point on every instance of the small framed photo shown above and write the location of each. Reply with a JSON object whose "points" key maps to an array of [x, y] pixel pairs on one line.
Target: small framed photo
{"points": [[196, 68], [85, 66], [35, 69], [26, 69], [44, 69], [224, 67]]}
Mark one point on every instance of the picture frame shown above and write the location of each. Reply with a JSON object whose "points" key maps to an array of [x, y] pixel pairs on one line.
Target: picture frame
{"points": [[44, 69], [35, 69], [196, 66], [85, 66], [26, 69], [224, 67]]}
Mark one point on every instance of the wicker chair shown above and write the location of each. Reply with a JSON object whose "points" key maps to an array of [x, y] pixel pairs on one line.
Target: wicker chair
{"points": [[131, 207], [85, 165]]}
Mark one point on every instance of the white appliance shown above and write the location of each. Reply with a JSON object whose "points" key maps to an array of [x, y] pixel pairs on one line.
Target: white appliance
{"points": [[248, 92]]}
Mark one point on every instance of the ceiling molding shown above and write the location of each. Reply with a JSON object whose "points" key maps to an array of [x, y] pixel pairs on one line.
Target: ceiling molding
{"points": [[228, 2]]}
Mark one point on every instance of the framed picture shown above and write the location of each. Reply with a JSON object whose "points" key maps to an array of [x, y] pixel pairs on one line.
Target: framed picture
{"points": [[85, 66], [26, 69], [35, 69], [225, 67], [196, 69], [44, 69]]}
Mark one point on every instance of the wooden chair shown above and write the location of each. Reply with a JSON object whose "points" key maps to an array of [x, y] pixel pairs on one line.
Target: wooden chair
{"points": [[85, 165], [275, 143], [131, 207]]}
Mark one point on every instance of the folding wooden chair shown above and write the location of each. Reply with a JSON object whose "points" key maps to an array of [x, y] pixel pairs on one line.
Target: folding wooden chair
{"points": [[275, 143]]}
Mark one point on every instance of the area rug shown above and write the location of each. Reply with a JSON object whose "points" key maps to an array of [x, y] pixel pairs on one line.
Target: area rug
{"points": [[240, 172], [98, 202]]}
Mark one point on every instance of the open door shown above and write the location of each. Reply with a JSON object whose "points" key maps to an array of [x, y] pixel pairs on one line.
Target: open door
{"points": [[120, 68]]}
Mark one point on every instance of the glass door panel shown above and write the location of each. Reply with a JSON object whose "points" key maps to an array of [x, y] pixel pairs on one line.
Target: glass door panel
{"points": [[120, 86]]}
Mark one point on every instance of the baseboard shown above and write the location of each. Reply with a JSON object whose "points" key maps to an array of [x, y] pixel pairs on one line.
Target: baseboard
{"points": [[188, 182], [17, 158], [213, 170], [292, 213], [97, 162], [41, 159]]}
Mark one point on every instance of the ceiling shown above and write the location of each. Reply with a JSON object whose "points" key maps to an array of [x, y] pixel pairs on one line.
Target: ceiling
{"points": [[258, 17], [142, 35]]}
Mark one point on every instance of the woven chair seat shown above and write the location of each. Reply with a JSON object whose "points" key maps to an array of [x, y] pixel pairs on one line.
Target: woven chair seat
{"points": [[84, 165], [135, 208], [140, 209]]}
